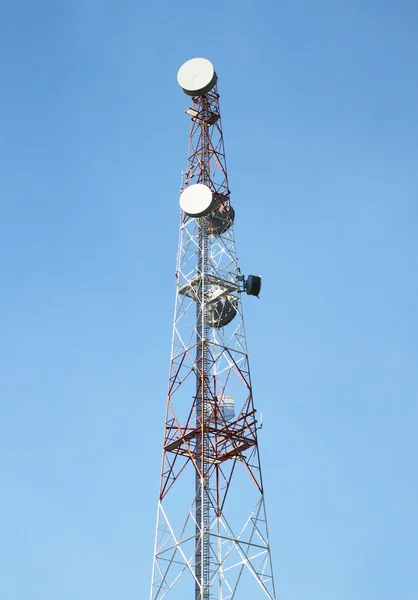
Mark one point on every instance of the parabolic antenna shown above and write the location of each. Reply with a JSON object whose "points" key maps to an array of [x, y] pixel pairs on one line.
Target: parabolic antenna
{"points": [[253, 285], [221, 312], [197, 77], [198, 200], [219, 221]]}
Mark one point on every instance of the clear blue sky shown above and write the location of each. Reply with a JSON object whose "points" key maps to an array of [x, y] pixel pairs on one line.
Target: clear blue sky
{"points": [[319, 103]]}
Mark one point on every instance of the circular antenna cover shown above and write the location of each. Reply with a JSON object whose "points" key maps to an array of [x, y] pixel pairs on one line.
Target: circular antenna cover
{"points": [[197, 77], [197, 200]]}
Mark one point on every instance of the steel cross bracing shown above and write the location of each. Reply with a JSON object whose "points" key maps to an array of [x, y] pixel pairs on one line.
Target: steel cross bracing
{"points": [[215, 539]]}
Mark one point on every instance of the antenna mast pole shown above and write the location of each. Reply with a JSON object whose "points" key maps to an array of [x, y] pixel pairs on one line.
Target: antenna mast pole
{"points": [[202, 383]]}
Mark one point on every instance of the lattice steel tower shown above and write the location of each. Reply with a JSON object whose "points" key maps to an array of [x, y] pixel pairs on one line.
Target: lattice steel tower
{"points": [[211, 539]]}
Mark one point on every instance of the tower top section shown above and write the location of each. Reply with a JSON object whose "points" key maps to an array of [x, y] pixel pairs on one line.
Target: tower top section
{"points": [[197, 77]]}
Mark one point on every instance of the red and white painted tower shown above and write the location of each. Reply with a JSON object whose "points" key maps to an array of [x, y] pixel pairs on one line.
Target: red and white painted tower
{"points": [[212, 538]]}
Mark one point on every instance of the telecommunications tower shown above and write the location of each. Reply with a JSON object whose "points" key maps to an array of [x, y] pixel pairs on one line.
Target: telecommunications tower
{"points": [[211, 538]]}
